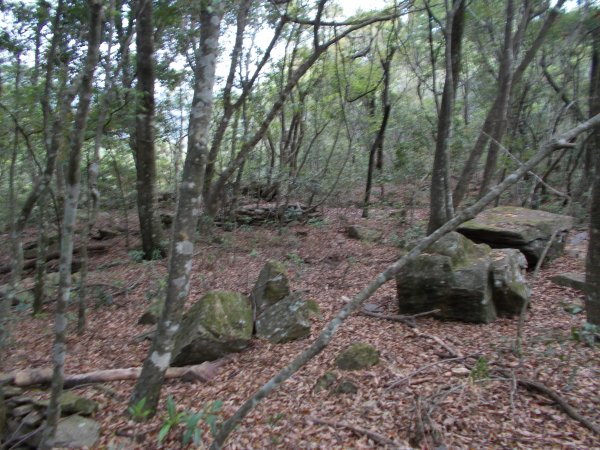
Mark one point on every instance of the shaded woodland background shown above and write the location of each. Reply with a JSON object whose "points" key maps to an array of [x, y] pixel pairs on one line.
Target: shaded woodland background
{"points": [[130, 117]]}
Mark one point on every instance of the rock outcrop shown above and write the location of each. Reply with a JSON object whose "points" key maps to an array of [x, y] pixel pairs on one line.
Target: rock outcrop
{"points": [[220, 323], [523, 229], [464, 281], [286, 320], [272, 286]]}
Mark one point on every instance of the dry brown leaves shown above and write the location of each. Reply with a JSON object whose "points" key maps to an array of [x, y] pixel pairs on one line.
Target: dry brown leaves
{"points": [[440, 404]]}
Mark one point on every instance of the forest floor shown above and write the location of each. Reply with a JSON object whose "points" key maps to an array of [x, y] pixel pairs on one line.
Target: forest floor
{"points": [[441, 404]]}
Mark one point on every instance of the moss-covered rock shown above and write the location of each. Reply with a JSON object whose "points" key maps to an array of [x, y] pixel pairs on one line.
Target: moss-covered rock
{"points": [[285, 321], [358, 356], [71, 403], [524, 229], [325, 382], [362, 233], [510, 290], [452, 276], [218, 324], [272, 286], [346, 387]]}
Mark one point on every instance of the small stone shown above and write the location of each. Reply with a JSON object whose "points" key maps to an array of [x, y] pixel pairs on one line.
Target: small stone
{"points": [[33, 419], [22, 410], [460, 371], [11, 391], [325, 382], [148, 318], [346, 387], [19, 400], [358, 356]]}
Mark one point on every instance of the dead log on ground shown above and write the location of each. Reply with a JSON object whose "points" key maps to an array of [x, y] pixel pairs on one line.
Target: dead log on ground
{"points": [[28, 265], [201, 372]]}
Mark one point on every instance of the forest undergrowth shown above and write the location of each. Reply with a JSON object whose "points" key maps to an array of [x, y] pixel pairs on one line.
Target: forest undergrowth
{"points": [[418, 396]]}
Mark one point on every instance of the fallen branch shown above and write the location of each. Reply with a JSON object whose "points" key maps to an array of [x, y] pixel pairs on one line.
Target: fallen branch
{"points": [[561, 141], [380, 439], [202, 372], [556, 398], [399, 381], [408, 320]]}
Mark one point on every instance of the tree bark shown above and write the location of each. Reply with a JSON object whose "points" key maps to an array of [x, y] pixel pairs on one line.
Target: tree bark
{"points": [[69, 218], [592, 299], [441, 206], [561, 141], [150, 382], [145, 154]]}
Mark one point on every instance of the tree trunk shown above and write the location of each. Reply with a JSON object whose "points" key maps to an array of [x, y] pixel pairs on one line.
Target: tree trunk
{"points": [[69, 218], [491, 123], [145, 155], [441, 206], [150, 382], [592, 300]]}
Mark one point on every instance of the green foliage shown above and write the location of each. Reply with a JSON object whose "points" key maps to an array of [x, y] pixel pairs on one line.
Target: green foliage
{"points": [[139, 412], [588, 334], [295, 258], [136, 256], [191, 420], [481, 370]]}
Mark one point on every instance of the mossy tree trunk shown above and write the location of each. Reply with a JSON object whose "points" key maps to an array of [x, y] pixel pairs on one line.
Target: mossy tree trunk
{"points": [[156, 364]]}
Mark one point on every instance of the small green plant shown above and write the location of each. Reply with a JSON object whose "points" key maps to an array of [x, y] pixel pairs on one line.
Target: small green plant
{"points": [[254, 253], [173, 419], [139, 412], [588, 334], [295, 258], [208, 415], [136, 256], [481, 370]]}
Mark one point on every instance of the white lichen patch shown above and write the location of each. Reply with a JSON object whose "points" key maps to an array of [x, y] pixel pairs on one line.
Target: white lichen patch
{"points": [[184, 247], [180, 282], [161, 360]]}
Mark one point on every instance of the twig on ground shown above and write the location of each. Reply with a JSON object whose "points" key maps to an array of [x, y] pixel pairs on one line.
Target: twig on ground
{"points": [[408, 320], [423, 368], [554, 396], [374, 436]]}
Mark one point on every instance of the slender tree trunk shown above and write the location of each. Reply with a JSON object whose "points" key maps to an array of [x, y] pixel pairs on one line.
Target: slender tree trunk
{"points": [[441, 206], [188, 211], [69, 218], [39, 290], [592, 301], [376, 151], [145, 155], [491, 124]]}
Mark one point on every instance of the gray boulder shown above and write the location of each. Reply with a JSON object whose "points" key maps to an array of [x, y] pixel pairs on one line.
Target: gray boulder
{"points": [[285, 321], [272, 286], [510, 291], [452, 275], [362, 233], [571, 280], [77, 432], [524, 229], [218, 324]]}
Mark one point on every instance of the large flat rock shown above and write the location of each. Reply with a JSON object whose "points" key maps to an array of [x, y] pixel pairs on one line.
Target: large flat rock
{"points": [[524, 229]]}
